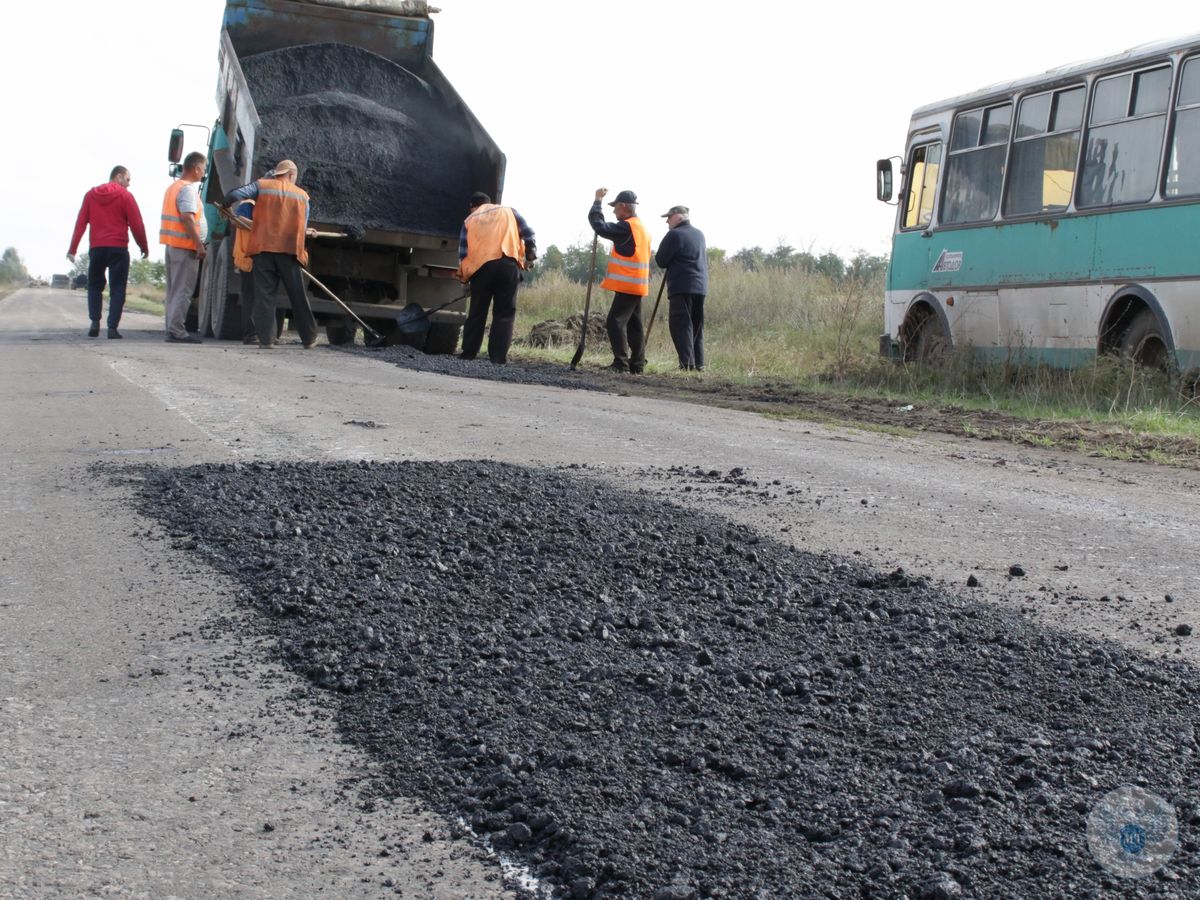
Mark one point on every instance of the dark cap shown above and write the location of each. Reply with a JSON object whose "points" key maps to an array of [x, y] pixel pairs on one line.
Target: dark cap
{"points": [[479, 198], [625, 197], [682, 210]]}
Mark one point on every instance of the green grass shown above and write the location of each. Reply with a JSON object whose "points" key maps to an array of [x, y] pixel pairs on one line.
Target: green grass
{"points": [[145, 298]]}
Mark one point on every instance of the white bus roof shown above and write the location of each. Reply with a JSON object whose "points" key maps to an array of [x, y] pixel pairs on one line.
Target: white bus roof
{"points": [[1154, 50]]}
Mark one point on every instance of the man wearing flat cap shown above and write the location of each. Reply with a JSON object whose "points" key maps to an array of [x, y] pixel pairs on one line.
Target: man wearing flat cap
{"points": [[276, 247], [627, 276], [494, 245], [684, 257]]}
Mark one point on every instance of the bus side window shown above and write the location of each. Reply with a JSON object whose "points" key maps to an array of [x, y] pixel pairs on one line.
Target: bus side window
{"points": [[1045, 150], [922, 181], [1183, 172], [975, 168], [1125, 137]]}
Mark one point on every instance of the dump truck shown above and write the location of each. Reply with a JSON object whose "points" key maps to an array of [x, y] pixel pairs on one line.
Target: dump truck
{"points": [[387, 150]]}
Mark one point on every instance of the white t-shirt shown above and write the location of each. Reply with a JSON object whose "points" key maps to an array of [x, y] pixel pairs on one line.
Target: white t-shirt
{"points": [[188, 201]]}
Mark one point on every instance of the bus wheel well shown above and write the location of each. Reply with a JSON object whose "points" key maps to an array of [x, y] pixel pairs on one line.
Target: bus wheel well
{"points": [[1121, 314], [1133, 330], [922, 337]]}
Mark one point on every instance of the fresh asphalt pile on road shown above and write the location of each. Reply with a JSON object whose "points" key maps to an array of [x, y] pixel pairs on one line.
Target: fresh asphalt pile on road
{"points": [[638, 700]]}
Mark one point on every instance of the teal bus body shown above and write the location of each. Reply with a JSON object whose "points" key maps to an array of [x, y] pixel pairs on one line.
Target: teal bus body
{"points": [[1058, 286], [1132, 245]]}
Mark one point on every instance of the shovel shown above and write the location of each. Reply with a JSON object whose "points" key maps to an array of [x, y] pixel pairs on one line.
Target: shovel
{"points": [[413, 320], [376, 339], [654, 312], [587, 305]]}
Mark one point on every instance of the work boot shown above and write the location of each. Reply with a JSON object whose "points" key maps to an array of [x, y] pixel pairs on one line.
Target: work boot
{"points": [[113, 334], [94, 331]]}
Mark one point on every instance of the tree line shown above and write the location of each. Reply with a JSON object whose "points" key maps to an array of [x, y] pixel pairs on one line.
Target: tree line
{"points": [[575, 262], [12, 269]]}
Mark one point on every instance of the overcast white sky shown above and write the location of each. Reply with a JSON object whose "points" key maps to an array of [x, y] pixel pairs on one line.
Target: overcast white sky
{"points": [[766, 118]]}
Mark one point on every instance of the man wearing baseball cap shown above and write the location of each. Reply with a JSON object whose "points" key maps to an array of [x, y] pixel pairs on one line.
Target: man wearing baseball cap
{"points": [[684, 257], [627, 276], [276, 247]]}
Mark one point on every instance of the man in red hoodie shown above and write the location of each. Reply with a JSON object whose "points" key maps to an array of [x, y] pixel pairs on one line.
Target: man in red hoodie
{"points": [[111, 212]]}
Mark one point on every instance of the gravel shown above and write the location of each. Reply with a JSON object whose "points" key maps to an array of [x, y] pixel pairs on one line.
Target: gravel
{"points": [[541, 374], [376, 145], [638, 700]]}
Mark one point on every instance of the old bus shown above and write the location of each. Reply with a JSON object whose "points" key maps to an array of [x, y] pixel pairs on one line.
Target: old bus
{"points": [[1055, 217]]}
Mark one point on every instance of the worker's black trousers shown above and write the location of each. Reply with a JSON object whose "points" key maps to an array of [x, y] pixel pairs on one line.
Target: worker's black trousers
{"points": [[269, 270], [687, 329], [494, 284], [626, 333]]}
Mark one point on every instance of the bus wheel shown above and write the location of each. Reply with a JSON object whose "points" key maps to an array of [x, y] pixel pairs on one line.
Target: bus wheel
{"points": [[1144, 342], [928, 342]]}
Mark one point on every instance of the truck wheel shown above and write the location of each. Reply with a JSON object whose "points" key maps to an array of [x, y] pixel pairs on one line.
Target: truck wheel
{"points": [[1144, 342], [204, 301], [224, 307], [340, 334], [442, 338]]}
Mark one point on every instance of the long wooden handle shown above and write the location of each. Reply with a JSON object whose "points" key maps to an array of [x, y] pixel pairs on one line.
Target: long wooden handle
{"points": [[587, 305], [654, 314]]}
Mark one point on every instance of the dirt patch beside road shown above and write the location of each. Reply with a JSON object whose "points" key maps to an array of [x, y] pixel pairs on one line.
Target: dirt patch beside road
{"points": [[783, 399]]}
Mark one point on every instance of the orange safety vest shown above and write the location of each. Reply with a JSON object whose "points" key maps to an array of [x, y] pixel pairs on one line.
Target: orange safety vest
{"points": [[630, 274], [171, 231], [280, 217], [491, 233], [241, 262]]}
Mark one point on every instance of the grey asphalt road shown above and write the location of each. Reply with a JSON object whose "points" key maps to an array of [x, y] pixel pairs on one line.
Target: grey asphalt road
{"points": [[146, 757]]}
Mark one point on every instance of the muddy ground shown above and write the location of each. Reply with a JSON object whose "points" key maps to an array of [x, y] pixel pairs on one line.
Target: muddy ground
{"points": [[634, 699], [785, 399]]}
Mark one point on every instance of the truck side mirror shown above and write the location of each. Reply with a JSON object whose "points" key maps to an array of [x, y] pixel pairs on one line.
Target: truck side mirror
{"points": [[175, 148], [883, 180]]}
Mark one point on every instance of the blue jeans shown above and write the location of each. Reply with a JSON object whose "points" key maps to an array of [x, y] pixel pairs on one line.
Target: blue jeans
{"points": [[114, 261]]}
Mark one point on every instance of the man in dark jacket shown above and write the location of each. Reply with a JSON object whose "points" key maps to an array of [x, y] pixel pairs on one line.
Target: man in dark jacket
{"points": [[684, 257], [111, 213]]}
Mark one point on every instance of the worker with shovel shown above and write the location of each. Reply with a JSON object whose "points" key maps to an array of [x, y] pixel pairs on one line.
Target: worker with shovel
{"points": [[627, 276], [495, 244], [276, 246]]}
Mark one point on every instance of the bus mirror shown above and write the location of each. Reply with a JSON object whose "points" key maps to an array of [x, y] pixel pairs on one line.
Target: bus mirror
{"points": [[175, 148], [883, 180]]}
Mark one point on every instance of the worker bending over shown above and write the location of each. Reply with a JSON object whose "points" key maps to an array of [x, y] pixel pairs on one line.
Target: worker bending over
{"points": [[495, 244], [276, 247]]}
